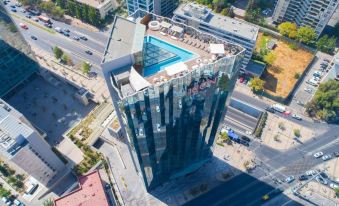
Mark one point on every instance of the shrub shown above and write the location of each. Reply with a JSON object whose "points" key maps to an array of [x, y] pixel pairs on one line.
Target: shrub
{"points": [[296, 132], [261, 125], [293, 46], [297, 75]]}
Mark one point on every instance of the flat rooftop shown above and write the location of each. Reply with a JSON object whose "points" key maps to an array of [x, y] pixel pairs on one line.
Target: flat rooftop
{"points": [[90, 192], [203, 14], [94, 3], [168, 37]]}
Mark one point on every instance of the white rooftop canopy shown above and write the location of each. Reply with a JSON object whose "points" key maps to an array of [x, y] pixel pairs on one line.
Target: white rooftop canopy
{"points": [[217, 48], [177, 29], [137, 81], [176, 68], [165, 24]]}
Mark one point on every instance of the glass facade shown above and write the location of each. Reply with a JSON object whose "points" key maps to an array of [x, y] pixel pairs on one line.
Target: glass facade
{"points": [[17, 60], [173, 126], [160, 7]]}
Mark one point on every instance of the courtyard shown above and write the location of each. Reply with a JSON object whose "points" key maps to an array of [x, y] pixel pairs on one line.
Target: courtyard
{"points": [[289, 63], [50, 107]]}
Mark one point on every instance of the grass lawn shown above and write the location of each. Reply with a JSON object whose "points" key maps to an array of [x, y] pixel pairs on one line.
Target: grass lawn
{"points": [[279, 77]]}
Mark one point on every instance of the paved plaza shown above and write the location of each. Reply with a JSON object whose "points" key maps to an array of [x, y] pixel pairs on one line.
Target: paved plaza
{"points": [[52, 108]]}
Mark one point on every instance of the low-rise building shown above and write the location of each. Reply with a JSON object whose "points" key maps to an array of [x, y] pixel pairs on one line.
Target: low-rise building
{"points": [[23, 146], [233, 30], [89, 193]]}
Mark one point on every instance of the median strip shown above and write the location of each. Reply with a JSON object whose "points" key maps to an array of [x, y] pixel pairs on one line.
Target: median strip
{"points": [[35, 24]]}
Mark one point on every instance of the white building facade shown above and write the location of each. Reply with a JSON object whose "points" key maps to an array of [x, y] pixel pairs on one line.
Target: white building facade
{"points": [[312, 13], [22, 145]]}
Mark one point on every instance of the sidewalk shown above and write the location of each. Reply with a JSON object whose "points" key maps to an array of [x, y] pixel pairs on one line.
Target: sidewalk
{"points": [[96, 86]]}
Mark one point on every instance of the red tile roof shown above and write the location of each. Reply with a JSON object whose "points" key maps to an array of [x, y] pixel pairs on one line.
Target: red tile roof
{"points": [[90, 193]]}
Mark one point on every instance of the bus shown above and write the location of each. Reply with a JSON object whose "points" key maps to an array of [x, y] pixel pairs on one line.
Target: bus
{"points": [[44, 19]]}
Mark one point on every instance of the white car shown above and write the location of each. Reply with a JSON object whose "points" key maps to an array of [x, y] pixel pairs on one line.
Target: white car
{"points": [[327, 157], [311, 172], [307, 89], [296, 117], [321, 180], [318, 154], [289, 179], [333, 186]]}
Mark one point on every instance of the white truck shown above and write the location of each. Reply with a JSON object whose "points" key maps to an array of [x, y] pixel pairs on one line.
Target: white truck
{"points": [[279, 108]]}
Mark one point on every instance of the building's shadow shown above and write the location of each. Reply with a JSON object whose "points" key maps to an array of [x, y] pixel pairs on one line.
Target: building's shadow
{"points": [[212, 185]]}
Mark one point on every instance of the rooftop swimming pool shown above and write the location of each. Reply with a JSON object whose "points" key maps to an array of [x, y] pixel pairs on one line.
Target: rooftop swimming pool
{"points": [[159, 54]]}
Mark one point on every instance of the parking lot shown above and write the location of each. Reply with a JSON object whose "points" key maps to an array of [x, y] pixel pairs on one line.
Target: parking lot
{"points": [[305, 91], [52, 108]]}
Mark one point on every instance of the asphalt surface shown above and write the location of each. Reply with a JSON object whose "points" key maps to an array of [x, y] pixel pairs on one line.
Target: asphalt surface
{"points": [[76, 49]]}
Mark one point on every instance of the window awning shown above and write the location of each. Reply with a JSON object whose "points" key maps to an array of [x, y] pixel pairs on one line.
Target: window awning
{"points": [[176, 68], [177, 29], [217, 48], [165, 24]]}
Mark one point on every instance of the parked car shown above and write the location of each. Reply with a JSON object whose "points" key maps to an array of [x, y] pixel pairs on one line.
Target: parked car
{"points": [[246, 138], [321, 180], [76, 38], [307, 89], [66, 30], [244, 142], [35, 19], [48, 25], [65, 34], [28, 16], [326, 60], [323, 175], [327, 157], [13, 10], [289, 179], [107, 186], [241, 79], [303, 177], [88, 52], [318, 154], [34, 37], [296, 117]]}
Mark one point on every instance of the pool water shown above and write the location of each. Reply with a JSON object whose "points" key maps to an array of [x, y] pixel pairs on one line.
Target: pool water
{"points": [[161, 55]]}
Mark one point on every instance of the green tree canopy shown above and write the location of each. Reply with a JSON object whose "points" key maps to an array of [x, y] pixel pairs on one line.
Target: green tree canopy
{"points": [[327, 44], [257, 84], [57, 52], [270, 58], [306, 35], [325, 103], [86, 68], [288, 29]]}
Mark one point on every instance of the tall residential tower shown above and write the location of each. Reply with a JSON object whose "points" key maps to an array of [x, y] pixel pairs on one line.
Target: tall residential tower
{"points": [[312, 13], [169, 83]]}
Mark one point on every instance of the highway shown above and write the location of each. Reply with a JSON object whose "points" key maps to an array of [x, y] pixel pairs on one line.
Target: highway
{"points": [[47, 40]]}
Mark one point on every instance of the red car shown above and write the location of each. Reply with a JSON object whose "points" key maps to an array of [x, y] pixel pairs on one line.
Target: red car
{"points": [[242, 79]]}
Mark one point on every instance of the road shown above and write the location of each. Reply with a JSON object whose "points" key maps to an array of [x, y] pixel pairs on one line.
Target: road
{"points": [[76, 49]]}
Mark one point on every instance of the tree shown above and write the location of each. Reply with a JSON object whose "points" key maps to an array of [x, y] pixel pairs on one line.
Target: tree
{"points": [[30, 2], [297, 75], [325, 103], [86, 68], [327, 44], [4, 192], [57, 52], [296, 132], [257, 84], [12, 28], [93, 17], [224, 137], [288, 29], [306, 35], [270, 58], [48, 202], [66, 59], [337, 191]]}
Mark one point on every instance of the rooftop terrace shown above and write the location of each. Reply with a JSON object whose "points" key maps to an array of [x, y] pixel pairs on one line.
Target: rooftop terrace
{"points": [[203, 14], [123, 42]]}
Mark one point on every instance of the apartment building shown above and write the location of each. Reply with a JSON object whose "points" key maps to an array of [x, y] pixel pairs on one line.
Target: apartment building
{"points": [[169, 83], [159, 7], [313, 13], [232, 30], [23, 147]]}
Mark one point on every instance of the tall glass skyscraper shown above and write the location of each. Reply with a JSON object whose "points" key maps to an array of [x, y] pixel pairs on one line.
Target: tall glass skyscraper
{"points": [[159, 7], [17, 61], [169, 94]]}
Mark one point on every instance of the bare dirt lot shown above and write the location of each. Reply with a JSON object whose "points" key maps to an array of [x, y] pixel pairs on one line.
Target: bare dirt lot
{"points": [[280, 77]]}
